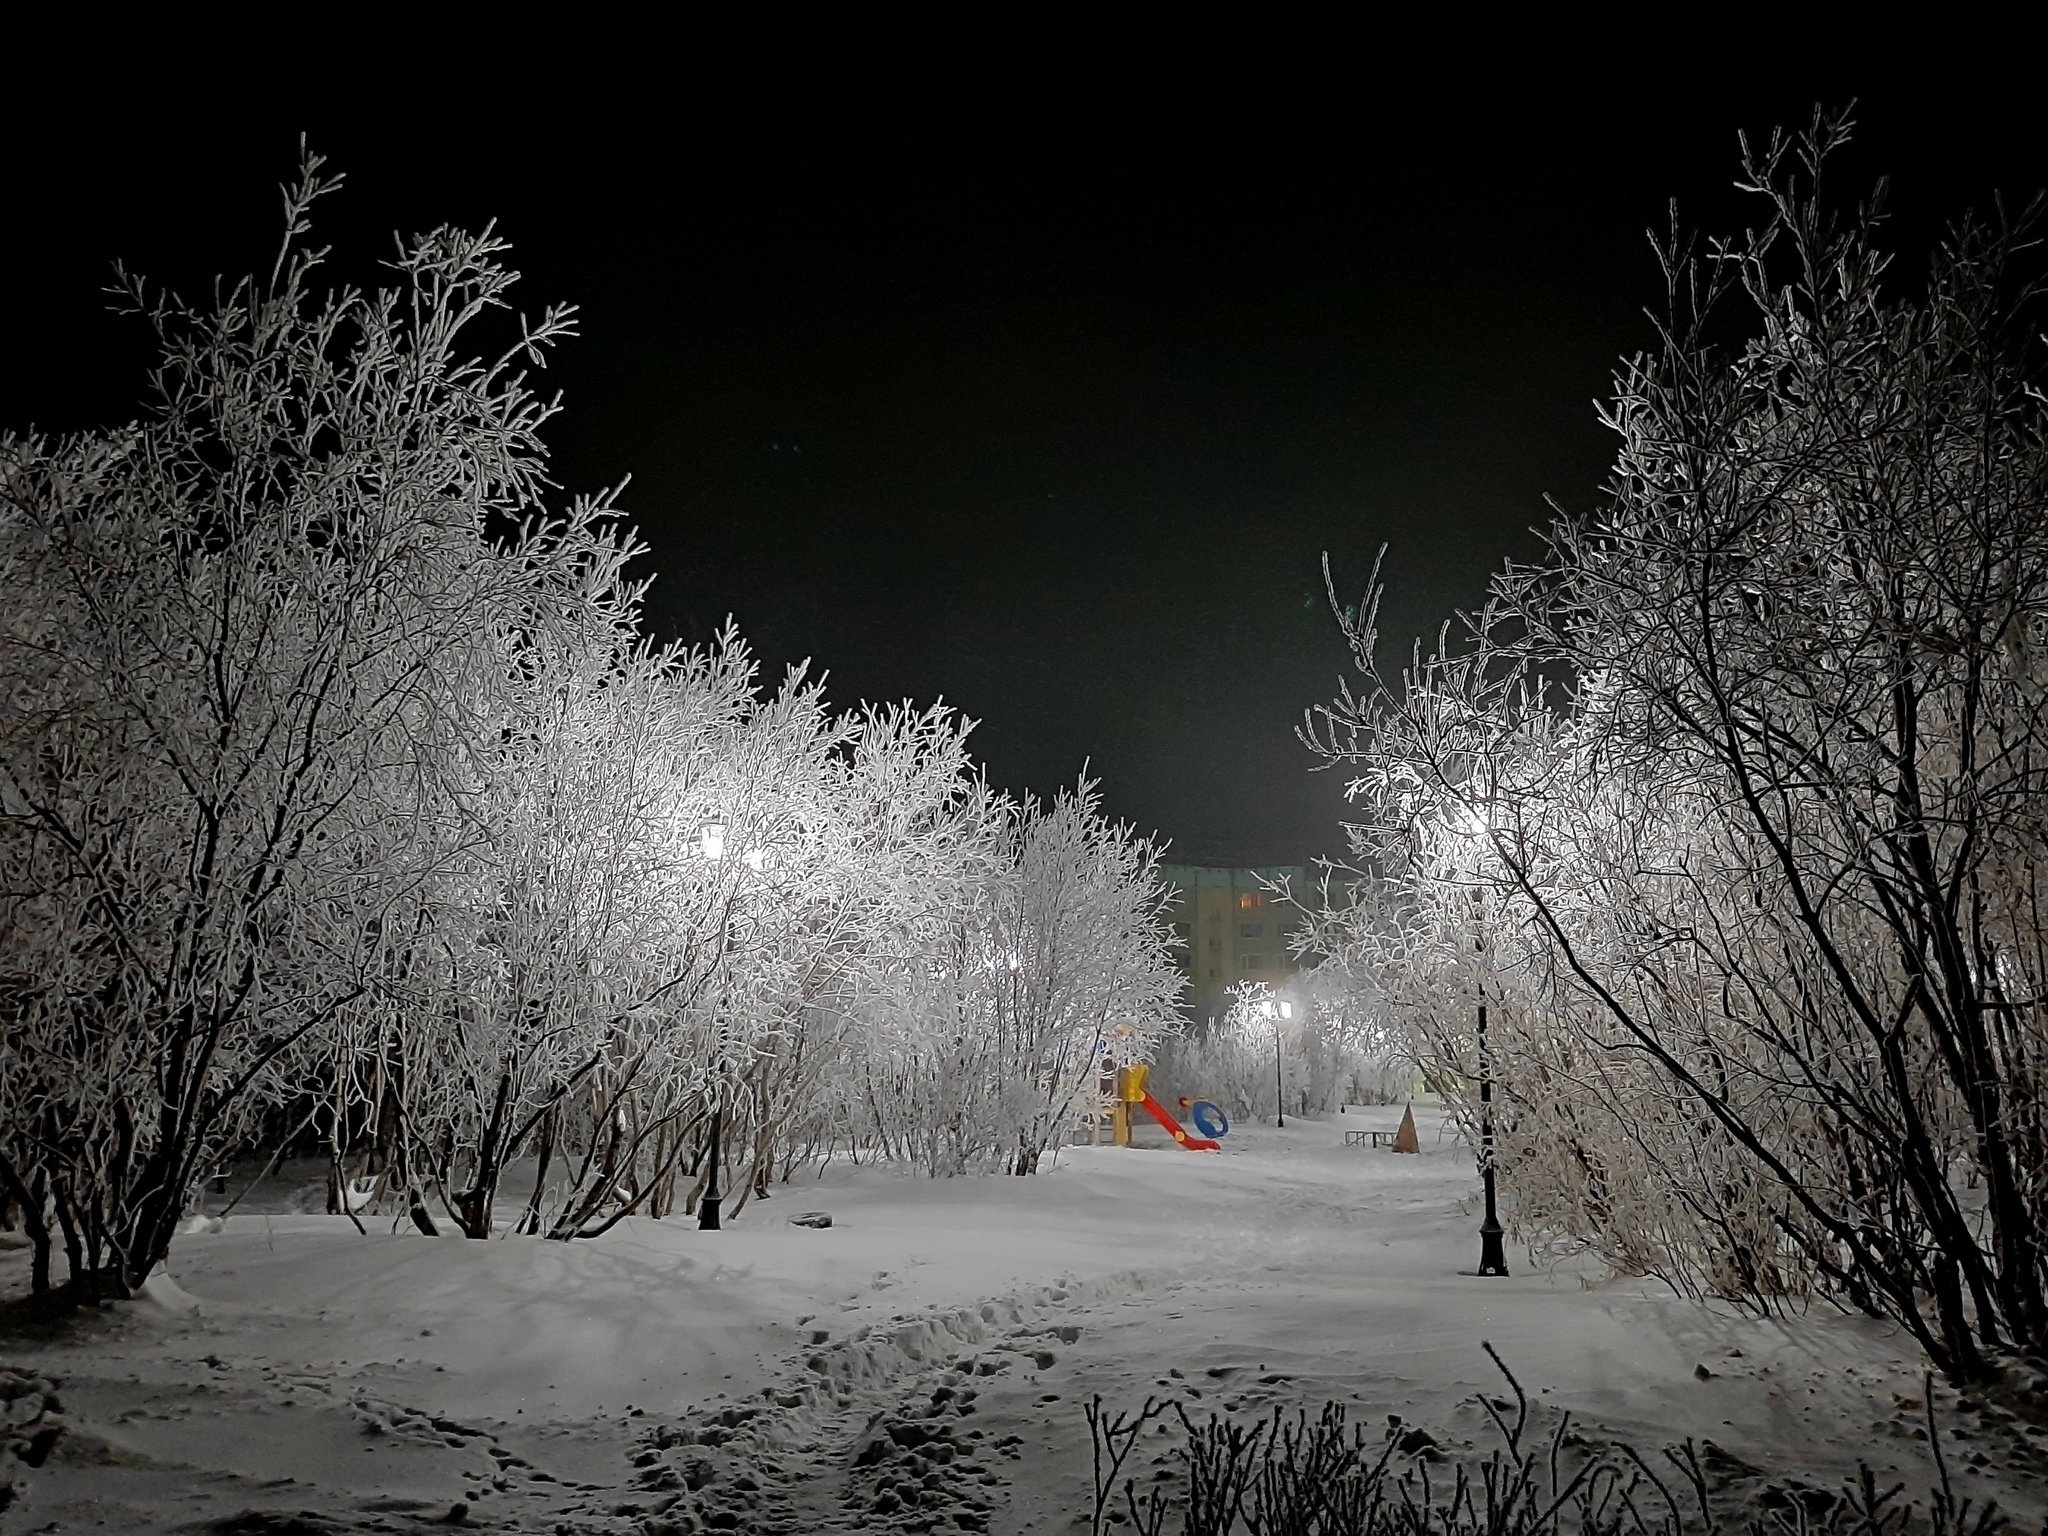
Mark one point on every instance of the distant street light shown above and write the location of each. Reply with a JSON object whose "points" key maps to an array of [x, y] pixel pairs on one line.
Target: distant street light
{"points": [[1279, 1085], [1277, 1010]]}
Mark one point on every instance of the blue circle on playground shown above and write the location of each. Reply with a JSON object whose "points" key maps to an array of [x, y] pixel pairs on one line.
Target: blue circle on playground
{"points": [[1209, 1120]]}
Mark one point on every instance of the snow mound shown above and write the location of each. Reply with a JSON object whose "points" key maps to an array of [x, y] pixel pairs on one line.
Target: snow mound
{"points": [[164, 1292]]}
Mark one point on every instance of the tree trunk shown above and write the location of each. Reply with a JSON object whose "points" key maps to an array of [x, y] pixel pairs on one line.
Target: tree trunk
{"points": [[30, 1197], [473, 1205], [529, 1220]]}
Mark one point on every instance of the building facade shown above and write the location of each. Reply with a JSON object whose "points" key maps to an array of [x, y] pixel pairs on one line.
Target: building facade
{"points": [[1230, 928]]}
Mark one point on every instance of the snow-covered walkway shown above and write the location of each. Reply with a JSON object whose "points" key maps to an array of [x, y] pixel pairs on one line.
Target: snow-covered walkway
{"points": [[925, 1359]]}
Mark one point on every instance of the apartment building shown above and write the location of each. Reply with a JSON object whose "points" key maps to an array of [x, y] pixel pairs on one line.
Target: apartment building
{"points": [[1230, 929]]}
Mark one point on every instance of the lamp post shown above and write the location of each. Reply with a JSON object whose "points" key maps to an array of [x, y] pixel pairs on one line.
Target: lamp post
{"points": [[707, 1208], [711, 847], [1286, 1011], [1474, 822], [1277, 1010], [1279, 1084], [1492, 1260]]}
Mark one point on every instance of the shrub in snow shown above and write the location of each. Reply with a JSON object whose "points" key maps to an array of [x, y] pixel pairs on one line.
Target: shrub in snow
{"points": [[1329, 1474]]}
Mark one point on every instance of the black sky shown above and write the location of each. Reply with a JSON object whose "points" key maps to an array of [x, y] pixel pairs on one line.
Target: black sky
{"points": [[1048, 414]]}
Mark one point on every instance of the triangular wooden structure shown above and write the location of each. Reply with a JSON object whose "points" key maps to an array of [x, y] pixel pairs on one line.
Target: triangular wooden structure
{"points": [[1404, 1139]]}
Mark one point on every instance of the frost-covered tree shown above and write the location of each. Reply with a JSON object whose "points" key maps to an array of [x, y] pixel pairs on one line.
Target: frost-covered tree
{"points": [[592, 929], [340, 796], [1748, 775], [901, 837], [1058, 970], [254, 646]]}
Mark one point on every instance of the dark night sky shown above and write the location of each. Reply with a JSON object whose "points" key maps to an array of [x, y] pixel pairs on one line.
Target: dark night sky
{"points": [[1048, 414]]}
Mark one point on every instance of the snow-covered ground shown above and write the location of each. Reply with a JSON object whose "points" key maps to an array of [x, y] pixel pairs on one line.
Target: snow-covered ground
{"points": [[775, 1377]]}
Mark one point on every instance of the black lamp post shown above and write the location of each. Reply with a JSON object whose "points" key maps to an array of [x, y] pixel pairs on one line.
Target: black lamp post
{"points": [[1279, 1084], [707, 1208], [1492, 1261], [1278, 1010]]}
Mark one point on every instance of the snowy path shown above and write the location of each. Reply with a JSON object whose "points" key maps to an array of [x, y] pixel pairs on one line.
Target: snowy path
{"points": [[920, 1365]]}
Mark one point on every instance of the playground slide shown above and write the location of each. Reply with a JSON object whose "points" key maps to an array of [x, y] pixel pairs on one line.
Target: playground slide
{"points": [[1173, 1128]]}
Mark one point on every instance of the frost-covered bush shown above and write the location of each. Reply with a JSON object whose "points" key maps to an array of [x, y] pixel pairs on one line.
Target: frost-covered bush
{"points": [[1542, 1475], [1057, 970], [1324, 1051]]}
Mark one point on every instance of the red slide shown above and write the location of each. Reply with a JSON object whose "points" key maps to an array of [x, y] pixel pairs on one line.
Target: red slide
{"points": [[1193, 1143]]}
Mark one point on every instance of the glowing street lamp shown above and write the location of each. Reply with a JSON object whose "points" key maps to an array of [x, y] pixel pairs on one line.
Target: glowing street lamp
{"points": [[712, 846]]}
